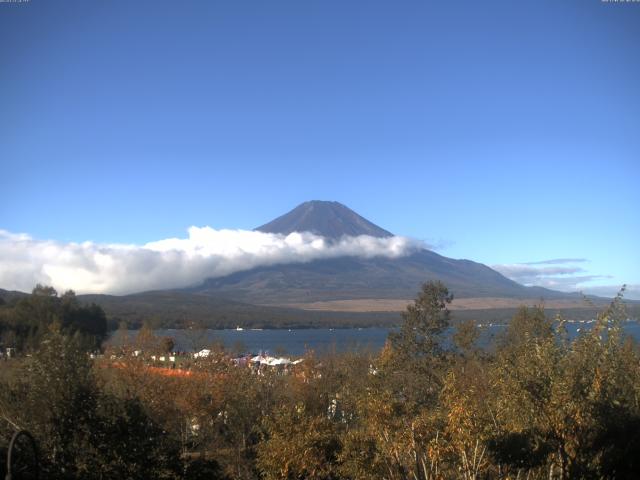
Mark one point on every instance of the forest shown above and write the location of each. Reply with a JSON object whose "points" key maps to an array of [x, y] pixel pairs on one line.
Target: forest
{"points": [[532, 405]]}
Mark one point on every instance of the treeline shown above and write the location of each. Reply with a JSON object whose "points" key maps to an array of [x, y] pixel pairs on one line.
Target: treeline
{"points": [[179, 309], [176, 309], [533, 405], [25, 319]]}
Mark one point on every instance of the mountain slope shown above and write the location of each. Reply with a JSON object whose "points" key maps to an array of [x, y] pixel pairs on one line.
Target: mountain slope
{"points": [[353, 277], [361, 278], [329, 219]]}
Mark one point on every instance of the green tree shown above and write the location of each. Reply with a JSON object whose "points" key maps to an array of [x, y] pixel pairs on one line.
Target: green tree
{"points": [[424, 321], [414, 366], [31, 316], [81, 431], [399, 416]]}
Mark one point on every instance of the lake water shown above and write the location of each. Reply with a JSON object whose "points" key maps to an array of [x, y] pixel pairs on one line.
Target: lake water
{"points": [[298, 341]]}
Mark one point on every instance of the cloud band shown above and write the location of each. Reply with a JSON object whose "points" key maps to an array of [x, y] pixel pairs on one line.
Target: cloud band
{"points": [[171, 263]]}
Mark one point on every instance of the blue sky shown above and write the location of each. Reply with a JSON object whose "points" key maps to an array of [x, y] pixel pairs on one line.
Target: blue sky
{"points": [[504, 132]]}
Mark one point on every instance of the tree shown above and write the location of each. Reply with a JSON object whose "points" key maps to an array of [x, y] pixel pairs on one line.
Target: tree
{"points": [[299, 445], [82, 431], [569, 408], [44, 291], [424, 321], [88, 320], [465, 337], [30, 318], [415, 360], [400, 419], [167, 344], [529, 324]]}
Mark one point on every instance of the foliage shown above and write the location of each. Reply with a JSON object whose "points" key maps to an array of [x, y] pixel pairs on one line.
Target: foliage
{"points": [[424, 321], [298, 445], [534, 405], [25, 322], [82, 431]]}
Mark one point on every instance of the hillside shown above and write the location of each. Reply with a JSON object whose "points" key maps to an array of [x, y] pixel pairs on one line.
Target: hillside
{"points": [[354, 277], [357, 278]]}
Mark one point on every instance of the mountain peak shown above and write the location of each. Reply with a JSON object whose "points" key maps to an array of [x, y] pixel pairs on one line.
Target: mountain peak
{"points": [[329, 219]]}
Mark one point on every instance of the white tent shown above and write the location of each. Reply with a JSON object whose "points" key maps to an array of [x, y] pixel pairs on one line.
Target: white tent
{"points": [[273, 361]]}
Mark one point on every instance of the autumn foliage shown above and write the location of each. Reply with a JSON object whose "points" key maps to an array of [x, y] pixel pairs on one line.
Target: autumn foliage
{"points": [[430, 405]]}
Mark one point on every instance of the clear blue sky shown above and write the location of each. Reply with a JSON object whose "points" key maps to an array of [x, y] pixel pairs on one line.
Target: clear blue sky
{"points": [[505, 132]]}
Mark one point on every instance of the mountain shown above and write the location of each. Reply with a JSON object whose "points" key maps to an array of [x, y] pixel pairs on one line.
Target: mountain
{"points": [[344, 291], [350, 278], [10, 295], [355, 278], [329, 219], [335, 292]]}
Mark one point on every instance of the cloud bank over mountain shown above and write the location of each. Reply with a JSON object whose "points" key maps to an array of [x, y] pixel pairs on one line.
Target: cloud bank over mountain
{"points": [[172, 263]]}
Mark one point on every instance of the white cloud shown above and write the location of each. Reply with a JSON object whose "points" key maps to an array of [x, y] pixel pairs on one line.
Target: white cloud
{"points": [[632, 292], [171, 263], [526, 273], [558, 274], [554, 261]]}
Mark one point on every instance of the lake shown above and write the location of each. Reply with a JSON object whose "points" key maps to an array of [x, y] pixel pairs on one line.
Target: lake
{"points": [[298, 341]]}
